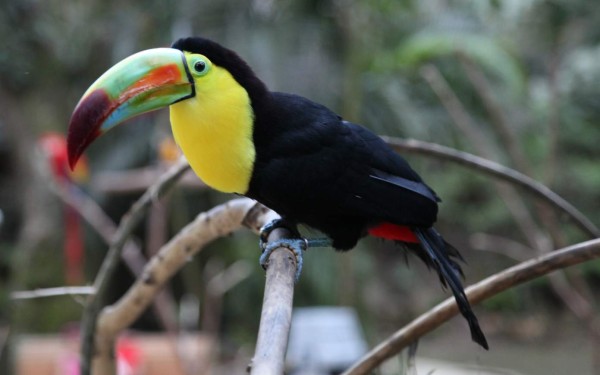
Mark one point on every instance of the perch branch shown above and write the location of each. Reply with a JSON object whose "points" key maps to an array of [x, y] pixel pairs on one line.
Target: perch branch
{"points": [[500, 172], [484, 289], [207, 227], [111, 261], [276, 315]]}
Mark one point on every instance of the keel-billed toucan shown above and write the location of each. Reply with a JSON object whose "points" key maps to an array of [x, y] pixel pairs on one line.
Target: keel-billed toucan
{"points": [[293, 155]]}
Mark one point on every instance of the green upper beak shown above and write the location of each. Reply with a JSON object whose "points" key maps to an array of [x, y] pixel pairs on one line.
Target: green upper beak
{"points": [[143, 82]]}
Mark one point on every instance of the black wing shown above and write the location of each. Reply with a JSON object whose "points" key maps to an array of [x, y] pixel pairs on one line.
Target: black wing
{"points": [[385, 181], [317, 169]]}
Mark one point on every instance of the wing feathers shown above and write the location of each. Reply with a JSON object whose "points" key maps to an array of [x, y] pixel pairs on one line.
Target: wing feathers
{"points": [[414, 186]]}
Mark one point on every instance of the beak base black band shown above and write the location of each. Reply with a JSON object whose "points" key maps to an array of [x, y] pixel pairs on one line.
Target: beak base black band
{"points": [[190, 79]]}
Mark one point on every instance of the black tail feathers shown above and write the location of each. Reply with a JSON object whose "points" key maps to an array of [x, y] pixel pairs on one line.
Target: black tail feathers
{"points": [[439, 254]]}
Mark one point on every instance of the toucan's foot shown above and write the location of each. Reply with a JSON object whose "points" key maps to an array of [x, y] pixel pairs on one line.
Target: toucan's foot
{"points": [[266, 230], [296, 245]]}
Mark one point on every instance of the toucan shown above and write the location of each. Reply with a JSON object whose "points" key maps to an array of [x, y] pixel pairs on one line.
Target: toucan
{"points": [[293, 155]]}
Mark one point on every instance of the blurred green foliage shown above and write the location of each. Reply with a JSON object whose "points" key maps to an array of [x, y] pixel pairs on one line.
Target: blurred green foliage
{"points": [[362, 58]]}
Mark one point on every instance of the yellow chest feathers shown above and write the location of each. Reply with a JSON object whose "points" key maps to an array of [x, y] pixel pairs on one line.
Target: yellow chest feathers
{"points": [[214, 131]]}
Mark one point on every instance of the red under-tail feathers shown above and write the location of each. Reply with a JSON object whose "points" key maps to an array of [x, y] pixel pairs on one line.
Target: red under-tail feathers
{"points": [[393, 232]]}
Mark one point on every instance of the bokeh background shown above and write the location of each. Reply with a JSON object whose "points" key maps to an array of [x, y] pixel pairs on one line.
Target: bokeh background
{"points": [[515, 81]]}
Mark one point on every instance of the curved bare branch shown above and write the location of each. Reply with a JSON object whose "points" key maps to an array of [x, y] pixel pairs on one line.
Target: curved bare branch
{"points": [[498, 171], [207, 226], [484, 289]]}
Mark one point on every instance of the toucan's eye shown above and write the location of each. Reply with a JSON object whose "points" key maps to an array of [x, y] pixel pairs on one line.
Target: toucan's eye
{"points": [[200, 66]]}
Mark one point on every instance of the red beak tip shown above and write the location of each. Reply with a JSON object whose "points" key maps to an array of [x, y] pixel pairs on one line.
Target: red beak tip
{"points": [[73, 162], [73, 154], [85, 123]]}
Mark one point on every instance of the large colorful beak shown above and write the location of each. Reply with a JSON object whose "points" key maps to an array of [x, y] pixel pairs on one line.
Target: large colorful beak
{"points": [[143, 82]]}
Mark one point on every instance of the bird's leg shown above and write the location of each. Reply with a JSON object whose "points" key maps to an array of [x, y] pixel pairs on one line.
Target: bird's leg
{"points": [[266, 230], [318, 242], [297, 244]]}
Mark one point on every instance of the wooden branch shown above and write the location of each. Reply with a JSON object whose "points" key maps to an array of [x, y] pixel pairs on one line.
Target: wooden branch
{"points": [[124, 312], [111, 261], [207, 227], [574, 299], [484, 289], [500, 172], [276, 315]]}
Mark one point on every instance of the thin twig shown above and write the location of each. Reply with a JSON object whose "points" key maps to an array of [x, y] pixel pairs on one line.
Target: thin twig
{"points": [[511, 144], [456, 110], [484, 289], [498, 118], [98, 220], [222, 282], [219, 283], [138, 180], [464, 122], [500, 245], [500, 172], [276, 315], [111, 261], [131, 254], [4, 339], [554, 112], [411, 361], [52, 292]]}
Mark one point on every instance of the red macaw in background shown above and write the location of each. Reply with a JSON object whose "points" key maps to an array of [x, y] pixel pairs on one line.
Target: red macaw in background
{"points": [[54, 146]]}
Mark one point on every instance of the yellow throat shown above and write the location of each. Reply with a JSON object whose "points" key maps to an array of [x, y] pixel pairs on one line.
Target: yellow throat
{"points": [[214, 131]]}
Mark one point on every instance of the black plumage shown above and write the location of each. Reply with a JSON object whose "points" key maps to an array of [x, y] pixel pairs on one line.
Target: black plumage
{"points": [[314, 168]]}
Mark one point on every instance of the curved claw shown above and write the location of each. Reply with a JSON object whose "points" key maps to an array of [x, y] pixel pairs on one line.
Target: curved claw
{"points": [[296, 245], [266, 230]]}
